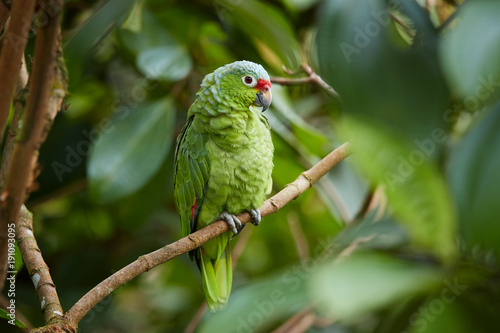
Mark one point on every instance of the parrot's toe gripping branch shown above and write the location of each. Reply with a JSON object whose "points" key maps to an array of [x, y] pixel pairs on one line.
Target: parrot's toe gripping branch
{"points": [[232, 221], [255, 213]]}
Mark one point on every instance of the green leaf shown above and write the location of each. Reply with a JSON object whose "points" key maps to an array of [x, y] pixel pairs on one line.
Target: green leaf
{"points": [[415, 190], [378, 75], [473, 174], [4, 314], [131, 150], [470, 51], [266, 24], [170, 62], [352, 287]]}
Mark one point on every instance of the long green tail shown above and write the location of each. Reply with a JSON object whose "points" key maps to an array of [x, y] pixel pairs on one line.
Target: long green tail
{"points": [[217, 278]]}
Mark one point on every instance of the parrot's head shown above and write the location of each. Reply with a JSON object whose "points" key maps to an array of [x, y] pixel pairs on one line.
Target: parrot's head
{"points": [[242, 84]]}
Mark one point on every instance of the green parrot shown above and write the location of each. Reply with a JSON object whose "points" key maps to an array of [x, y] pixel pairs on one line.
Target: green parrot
{"points": [[223, 164]]}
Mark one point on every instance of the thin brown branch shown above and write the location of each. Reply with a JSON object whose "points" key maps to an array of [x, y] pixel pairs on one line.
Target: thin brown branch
{"points": [[14, 43], [43, 87], [196, 239], [191, 327], [402, 23], [298, 323], [300, 239], [37, 268], [311, 77]]}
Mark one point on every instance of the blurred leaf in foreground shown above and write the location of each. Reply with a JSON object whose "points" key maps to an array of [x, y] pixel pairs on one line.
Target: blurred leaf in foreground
{"points": [[471, 49], [416, 192], [352, 287]]}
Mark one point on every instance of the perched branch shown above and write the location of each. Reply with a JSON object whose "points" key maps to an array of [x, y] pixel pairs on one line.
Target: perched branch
{"points": [[311, 77], [196, 239], [37, 268], [25, 155]]}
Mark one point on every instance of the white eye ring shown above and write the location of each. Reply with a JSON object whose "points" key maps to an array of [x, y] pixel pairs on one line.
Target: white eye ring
{"points": [[249, 81]]}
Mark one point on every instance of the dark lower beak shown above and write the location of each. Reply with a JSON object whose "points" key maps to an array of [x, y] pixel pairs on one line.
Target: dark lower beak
{"points": [[264, 99]]}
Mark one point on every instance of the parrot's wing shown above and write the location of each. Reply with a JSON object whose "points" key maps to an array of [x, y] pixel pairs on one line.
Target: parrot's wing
{"points": [[192, 166]]}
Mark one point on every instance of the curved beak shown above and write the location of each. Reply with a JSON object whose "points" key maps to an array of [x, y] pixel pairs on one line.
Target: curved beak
{"points": [[264, 98]]}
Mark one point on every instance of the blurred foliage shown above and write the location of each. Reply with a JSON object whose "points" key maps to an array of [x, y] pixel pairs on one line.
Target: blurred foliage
{"points": [[419, 101]]}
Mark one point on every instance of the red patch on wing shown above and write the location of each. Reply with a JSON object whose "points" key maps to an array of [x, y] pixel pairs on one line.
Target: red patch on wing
{"points": [[263, 84], [193, 208]]}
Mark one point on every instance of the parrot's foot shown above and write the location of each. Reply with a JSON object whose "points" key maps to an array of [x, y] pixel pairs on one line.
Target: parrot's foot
{"points": [[255, 213], [232, 221]]}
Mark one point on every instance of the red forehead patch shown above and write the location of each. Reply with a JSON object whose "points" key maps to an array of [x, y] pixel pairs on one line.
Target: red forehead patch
{"points": [[263, 84]]}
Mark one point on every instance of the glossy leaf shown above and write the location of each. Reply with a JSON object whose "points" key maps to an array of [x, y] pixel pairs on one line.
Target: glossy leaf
{"points": [[170, 63], [131, 151]]}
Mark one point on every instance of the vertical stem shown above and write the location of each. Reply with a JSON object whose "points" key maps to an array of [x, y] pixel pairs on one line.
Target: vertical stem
{"points": [[25, 153], [19, 102], [14, 43]]}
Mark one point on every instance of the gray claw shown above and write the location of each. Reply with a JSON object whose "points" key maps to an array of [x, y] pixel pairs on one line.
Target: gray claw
{"points": [[232, 221], [255, 213]]}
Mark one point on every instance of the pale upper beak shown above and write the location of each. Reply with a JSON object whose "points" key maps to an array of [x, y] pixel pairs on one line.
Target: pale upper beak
{"points": [[264, 98]]}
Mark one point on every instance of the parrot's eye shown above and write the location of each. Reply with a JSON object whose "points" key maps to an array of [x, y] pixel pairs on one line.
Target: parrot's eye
{"points": [[249, 81]]}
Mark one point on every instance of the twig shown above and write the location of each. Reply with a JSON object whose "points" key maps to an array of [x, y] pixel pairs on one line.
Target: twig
{"points": [[196, 319], [403, 24], [378, 202], [298, 323], [311, 77], [13, 43], [40, 99], [37, 268], [301, 243], [240, 246], [196, 239]]}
